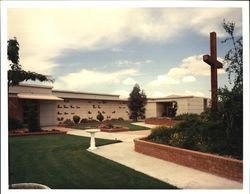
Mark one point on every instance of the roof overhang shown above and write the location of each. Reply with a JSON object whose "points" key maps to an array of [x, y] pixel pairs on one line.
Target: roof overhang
{"points": [[37, 96]]}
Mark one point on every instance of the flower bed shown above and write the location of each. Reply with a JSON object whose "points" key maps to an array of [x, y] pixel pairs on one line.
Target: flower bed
{"points": [[36, 133], [160, 121], [217, 165], [114, 129]]}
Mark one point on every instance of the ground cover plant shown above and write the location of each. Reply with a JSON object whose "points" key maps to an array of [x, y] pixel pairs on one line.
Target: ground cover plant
{"points": [[62, 162], [200, 134], [114, 122]]}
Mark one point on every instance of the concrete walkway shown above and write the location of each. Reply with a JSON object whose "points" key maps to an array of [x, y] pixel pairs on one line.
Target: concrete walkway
{"points": [[180, 176]]}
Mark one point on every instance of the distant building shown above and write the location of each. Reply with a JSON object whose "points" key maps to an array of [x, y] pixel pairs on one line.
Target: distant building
{"points": [[158, 107], [55, 106]]}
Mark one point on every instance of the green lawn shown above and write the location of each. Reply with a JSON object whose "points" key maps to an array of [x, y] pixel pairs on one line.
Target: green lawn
{"points": [[62, 162], [113, 122]]}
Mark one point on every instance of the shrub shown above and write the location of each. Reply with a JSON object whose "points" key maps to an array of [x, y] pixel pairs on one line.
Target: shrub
{"points": [[187, 116], [160, 134], [33, 123], [76, 119], [68, 122], [110, 126], [84, 121], [14, 123], [100, 117], [196, 134]]}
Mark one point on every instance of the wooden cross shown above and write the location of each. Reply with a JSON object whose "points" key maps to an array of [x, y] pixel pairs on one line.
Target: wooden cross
{"points": [[215, 64]]}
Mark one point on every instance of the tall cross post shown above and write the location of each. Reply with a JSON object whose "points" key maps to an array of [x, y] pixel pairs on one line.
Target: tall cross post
{"points": [[214, 64]]}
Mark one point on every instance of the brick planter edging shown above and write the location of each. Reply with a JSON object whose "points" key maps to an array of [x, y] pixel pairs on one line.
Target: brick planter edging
{"points": [[217, 165], [159, 121], [114, 130], [36, 133]]}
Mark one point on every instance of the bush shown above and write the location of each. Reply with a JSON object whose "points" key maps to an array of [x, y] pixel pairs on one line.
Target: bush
{"points": [[14, 124], [84, 121], [187, 116], [76, 119], [33, 123], [160, 134], [68, 122], [100, 117], [110, 126], [196, 134]]}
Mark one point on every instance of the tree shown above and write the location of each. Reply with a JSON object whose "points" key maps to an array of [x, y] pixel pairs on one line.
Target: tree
{"points": [[233, 58], [231, 101], [16, 74], [136, 103]]}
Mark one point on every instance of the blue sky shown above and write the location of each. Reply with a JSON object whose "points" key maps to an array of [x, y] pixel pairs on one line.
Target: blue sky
{"points": [[109, 50]]}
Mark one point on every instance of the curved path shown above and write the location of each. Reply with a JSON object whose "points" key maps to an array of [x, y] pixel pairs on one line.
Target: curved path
{"points": [[180, 176]]}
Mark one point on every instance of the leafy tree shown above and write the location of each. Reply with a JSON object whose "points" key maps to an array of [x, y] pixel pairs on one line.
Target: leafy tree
{"points": [[136, 103], [233, 58], [16, 74], [231, 101]]}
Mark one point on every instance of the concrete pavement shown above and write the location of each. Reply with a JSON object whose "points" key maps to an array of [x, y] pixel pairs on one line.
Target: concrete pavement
{"points": [[180, 176]]}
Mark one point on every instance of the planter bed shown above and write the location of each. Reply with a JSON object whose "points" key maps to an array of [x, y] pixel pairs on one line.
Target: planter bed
{"points": [[217, 165], [160, 121], [37, 133], [113, 129]]}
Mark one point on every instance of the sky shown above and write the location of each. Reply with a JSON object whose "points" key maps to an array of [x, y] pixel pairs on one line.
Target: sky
{"points": [[109, 50]]}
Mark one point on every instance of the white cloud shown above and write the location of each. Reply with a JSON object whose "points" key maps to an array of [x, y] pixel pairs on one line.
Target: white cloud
{"points": [[86, 78], [185, 72], [122, 93], [161, 94], [156, 94], [194, 65], [129, 81], [43, 33], [187, 93], [121, 63], [177, 72], [188, 79], [162, 80]]}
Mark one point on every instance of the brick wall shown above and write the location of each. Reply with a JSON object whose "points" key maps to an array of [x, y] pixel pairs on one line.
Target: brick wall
{"points": [[159, 121], [14, 108], [221, 166]]}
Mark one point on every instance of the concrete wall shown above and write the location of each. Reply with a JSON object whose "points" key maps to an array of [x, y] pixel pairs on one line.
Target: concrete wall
{"points": [[195, 105], [30, 89], [160, 109], [48, 113], [150, 110], [182, 106], [89, 109]]}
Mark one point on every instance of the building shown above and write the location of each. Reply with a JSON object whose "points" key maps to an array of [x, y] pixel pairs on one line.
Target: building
{"points": [[55, 106], [158, 107]]}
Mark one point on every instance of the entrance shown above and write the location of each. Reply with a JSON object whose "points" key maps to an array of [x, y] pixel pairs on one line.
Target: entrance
{"points": [[167, 109], [28, 106]]}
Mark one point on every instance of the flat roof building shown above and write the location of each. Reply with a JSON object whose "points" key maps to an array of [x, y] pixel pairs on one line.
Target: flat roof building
{"points": [[55, 106]]}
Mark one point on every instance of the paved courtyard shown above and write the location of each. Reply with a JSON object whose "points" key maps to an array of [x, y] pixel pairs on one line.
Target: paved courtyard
{"points": [[180, 176]]}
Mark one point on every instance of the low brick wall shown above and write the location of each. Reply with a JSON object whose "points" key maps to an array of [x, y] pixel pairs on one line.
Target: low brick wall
{"points": [[114, 130], [37, 133], [159, 121], [217, 165]]}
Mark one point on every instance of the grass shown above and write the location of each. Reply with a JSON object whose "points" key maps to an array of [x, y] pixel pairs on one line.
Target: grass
{"points": [[126, 124], [62, 162]]}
